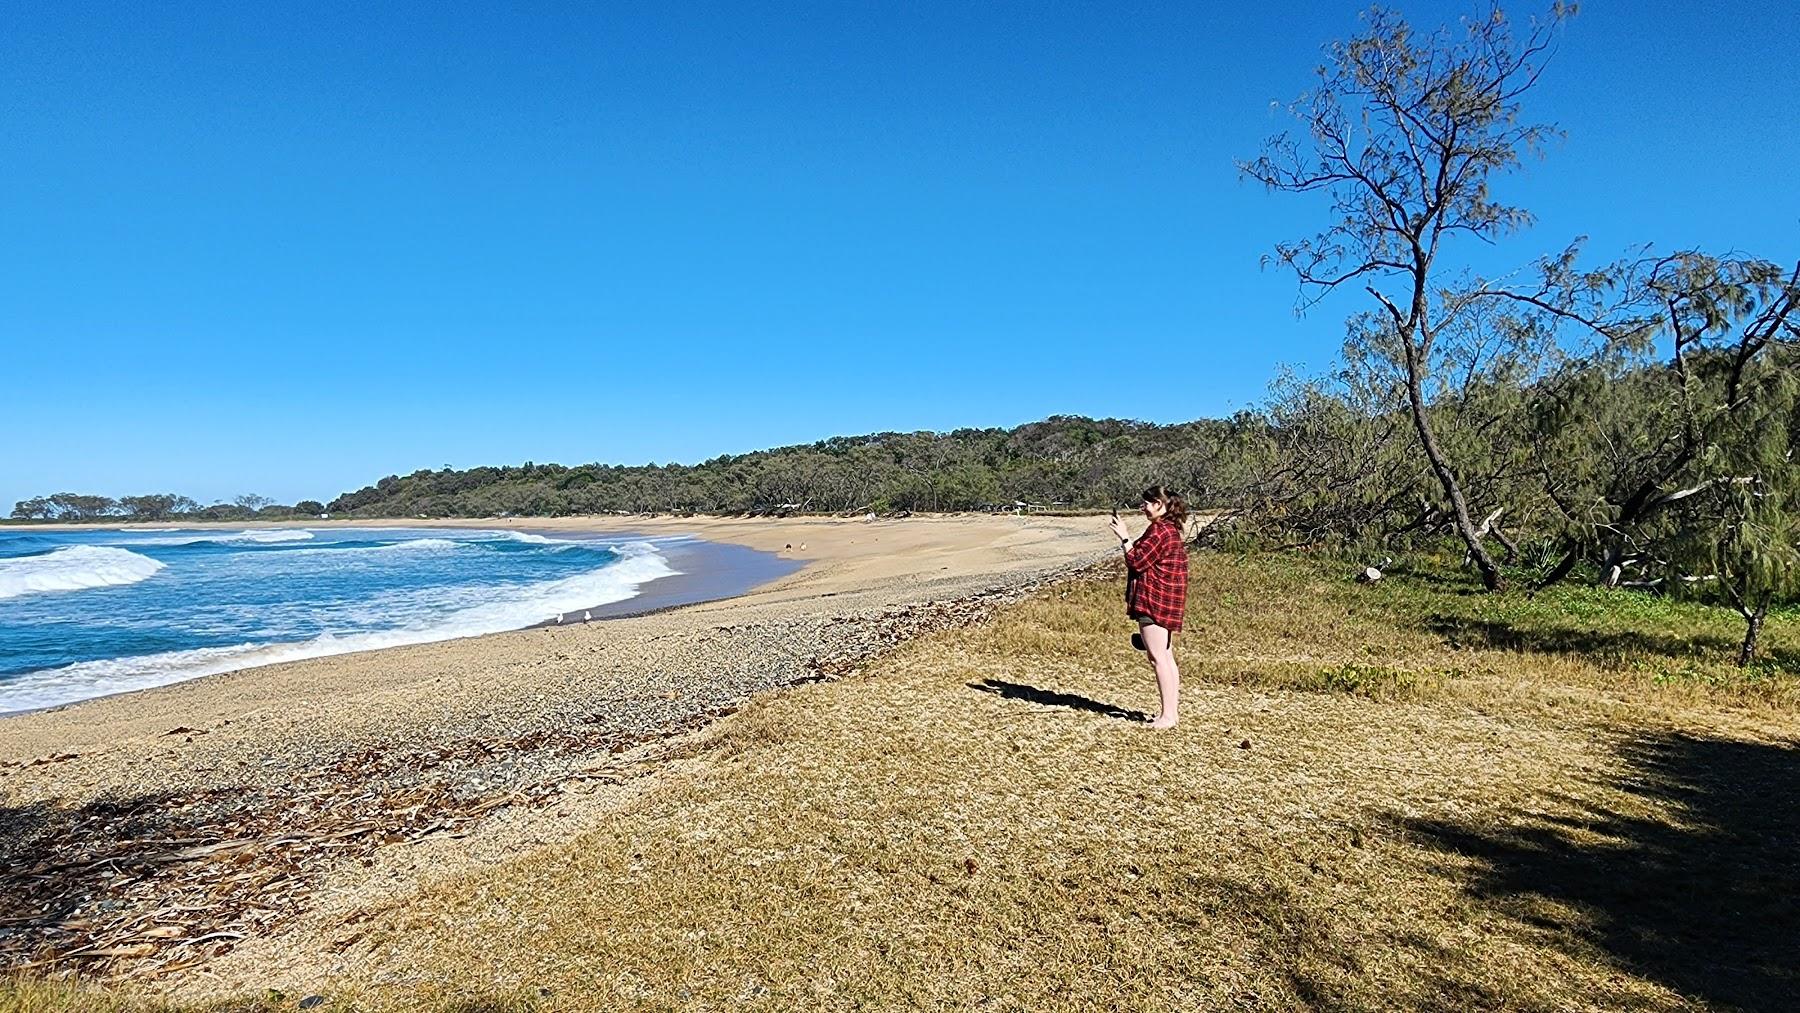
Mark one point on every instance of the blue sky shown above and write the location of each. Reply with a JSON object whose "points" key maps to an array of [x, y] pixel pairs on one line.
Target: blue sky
{"points": [[290, 251]]}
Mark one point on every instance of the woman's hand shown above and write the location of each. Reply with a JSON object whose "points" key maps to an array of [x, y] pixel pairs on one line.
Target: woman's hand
{"points": [[1118, 529]]}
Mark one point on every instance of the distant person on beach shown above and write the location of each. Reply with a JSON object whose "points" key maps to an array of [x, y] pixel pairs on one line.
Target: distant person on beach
{"points": [[1156, 591]]}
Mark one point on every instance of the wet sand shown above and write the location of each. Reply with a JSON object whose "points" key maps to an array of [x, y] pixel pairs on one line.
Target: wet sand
{"points": [[705, 572]]}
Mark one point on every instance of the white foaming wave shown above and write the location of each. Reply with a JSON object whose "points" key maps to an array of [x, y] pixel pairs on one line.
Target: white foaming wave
{"points": [[271, 536], [424, 543], [530, 539], [410, 545], [500, 609], [581, 543], [74, 568]]}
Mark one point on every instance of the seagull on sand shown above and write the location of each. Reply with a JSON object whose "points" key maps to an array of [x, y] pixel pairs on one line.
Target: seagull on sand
{"points": [[587, 617], [559, 619]]}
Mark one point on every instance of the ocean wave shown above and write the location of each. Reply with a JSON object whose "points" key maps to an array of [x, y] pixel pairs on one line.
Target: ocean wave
{"points": [[560, 543], [424, 543], [271, 536], [409, 545], [498, 609], [74, 568]]}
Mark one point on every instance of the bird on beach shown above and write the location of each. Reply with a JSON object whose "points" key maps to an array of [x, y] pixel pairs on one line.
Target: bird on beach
{"points": [[587, 617], [559, 619]]}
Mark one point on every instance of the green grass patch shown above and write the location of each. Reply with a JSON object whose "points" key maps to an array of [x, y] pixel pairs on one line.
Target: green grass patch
{"points": [[1618, 633]]}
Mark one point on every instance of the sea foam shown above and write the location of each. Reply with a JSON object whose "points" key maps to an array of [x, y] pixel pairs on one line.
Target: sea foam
{"points": [[409, 545], [271, 536], [558, 544], [74, 568]]}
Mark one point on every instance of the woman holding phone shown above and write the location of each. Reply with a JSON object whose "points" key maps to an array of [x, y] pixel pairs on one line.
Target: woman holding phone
{"points": [[1156, 591]]}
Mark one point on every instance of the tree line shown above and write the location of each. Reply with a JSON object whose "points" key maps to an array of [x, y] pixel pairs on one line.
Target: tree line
{"points": [[1064, 462], [1068, 462], [83, 507]]}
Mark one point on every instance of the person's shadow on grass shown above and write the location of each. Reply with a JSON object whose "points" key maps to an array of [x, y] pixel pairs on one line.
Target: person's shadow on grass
{"points": [[1051, 698]]}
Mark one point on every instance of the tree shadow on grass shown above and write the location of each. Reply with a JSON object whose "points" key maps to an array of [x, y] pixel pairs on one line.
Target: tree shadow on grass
{"points": [[1052, 698], [1462, 631], [1696, 889]]}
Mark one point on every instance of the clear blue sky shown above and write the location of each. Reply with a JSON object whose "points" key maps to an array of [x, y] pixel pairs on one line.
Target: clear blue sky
{"points": [[289, 249]]}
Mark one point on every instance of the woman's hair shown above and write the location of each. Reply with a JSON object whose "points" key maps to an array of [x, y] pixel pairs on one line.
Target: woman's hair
{"points": [[1171, 501]]}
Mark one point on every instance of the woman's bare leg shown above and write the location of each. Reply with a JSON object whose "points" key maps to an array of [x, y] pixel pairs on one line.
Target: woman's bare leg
{"points": [[1159, 646]]}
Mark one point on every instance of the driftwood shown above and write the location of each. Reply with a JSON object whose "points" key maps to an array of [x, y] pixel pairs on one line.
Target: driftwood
{"points": [[116, 885]]}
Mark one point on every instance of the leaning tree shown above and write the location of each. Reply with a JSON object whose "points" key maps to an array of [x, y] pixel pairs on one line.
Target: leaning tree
{"points": [[1674, 404], [1404, 134], [1714, 504]]}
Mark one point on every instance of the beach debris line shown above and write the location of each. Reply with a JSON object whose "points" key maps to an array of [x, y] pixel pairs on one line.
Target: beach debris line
{"points": [[158, 883], [40, 761]]}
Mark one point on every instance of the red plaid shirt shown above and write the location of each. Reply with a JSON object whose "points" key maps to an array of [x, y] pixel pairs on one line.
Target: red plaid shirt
{"points": [[1157, 585]]}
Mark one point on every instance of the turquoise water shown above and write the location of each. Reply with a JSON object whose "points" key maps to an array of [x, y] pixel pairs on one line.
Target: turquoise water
{"points": [[87, 613]]}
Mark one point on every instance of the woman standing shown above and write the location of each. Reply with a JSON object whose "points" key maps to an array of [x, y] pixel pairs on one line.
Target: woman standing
{"points": [[1156, 590]]}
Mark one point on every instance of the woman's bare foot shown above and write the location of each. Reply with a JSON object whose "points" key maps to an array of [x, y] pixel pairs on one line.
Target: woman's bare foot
{"points": [[1159, 722]]}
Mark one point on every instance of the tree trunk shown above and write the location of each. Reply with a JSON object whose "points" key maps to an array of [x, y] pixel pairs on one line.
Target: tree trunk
{"points": [[1459, 507], [1563, 567], [1512, 547], [1752, 629]]}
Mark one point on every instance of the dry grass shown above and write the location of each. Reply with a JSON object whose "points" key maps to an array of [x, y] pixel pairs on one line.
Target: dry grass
{"points": [[36, 996], [1388, 797]]}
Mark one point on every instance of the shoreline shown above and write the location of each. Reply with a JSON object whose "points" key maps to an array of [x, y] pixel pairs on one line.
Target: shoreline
{"points": [[704, 571], [784, 539], [731, 570], [493, 680]]}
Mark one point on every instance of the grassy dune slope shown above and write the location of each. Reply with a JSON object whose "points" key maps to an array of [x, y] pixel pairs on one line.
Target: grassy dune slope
{"points": [[1399, 796]]}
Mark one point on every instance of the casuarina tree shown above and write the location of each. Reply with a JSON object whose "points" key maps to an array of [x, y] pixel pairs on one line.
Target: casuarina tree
{"points": [[1733, 522], [1404, 134]]}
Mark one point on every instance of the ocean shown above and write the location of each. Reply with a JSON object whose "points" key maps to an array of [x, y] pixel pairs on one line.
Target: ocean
{"points": [[86, 613]]}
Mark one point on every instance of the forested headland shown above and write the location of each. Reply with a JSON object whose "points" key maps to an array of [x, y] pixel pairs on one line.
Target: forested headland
{"points": [[1062, 462]]}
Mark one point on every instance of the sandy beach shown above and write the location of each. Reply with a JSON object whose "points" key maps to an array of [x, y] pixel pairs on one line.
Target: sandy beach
{"points": [[499, 716], [280, 714]]}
